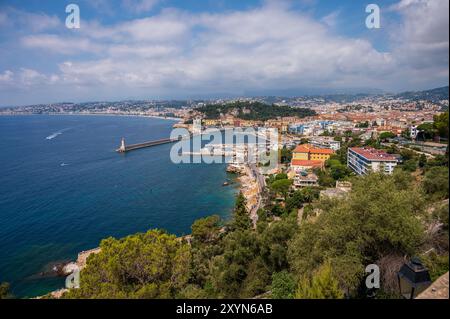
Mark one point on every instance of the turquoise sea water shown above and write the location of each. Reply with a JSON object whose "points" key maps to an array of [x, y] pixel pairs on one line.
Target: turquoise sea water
{"points": [[63, 188]]}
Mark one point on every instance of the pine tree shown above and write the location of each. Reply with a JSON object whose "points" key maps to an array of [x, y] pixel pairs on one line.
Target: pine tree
{"points": [[322, 286], [241, 219]]}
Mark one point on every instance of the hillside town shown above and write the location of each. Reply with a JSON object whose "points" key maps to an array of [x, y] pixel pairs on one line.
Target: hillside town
{"points": [[325, 150]]}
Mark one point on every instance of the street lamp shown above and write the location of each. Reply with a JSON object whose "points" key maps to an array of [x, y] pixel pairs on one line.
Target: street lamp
{"points": [[413, 278]]}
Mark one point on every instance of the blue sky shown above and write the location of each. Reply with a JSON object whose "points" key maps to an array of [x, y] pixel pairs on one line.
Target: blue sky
{"points": [[156, 49]]}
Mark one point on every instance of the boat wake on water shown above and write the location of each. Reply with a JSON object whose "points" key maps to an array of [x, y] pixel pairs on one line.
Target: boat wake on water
{"points": [[52, 136]]}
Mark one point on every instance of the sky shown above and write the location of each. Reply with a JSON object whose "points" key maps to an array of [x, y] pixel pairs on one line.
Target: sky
{"points": [[182, 49]]}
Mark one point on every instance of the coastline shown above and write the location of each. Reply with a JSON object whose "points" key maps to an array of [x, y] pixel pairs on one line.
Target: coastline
{"points": [[175, 119], [249, 187]]}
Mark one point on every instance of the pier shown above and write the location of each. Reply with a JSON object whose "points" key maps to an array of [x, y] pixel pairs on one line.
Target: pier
{"points": [[126, 148]]}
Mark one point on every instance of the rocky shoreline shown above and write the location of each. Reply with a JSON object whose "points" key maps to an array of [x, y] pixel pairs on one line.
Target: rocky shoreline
{"points": [[249, 188], [66, 269]]}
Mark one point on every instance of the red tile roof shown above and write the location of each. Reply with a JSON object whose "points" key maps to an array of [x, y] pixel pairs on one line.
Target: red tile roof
{"points": [[373, 154], [306, 163], [301, 149], [321, 151], [307, 148]]}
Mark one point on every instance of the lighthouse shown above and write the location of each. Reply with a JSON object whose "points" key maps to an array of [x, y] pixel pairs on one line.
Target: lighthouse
{"points": [[122, 146]]}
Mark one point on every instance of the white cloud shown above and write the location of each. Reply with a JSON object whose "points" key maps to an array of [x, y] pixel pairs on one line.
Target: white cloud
{"points": [[30, 77], [143, 51], [273, 48], [422, 40], [59, 44], [28, 21], [6, 77], [270, 47], [331, 19], [159, 28], [40, 22]]}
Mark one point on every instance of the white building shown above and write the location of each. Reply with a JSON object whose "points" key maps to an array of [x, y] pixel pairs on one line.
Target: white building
{"points": [[325, 142], [363, 160], [305, 179], [413, 132]]}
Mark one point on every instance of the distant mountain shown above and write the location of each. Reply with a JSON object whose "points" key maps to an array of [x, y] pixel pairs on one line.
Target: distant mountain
{"points": [[309, 92], [433, 95]]}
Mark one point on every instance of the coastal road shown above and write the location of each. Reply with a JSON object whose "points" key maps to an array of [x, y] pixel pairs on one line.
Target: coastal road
{"points": [[261, 184], [259, 177]]}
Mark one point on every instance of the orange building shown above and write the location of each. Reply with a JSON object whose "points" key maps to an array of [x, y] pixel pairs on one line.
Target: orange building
{"points": [[308, 152], [297, 164]]}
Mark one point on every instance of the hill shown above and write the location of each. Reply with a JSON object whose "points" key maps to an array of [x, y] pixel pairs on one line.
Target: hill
{"points": [[432, 95], [256, 111]]}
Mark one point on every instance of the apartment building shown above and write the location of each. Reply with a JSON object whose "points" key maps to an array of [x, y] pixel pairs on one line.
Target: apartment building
{"points": [[363, 160], [305, 179], [311, 153], [325, 142]]}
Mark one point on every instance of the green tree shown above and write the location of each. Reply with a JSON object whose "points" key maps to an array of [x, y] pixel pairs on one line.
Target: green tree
{"points": [[145, 265], [309, 194], [295, 201], [363, 124], [277, 210], [253, 110], [229, 270], [337, 169], [283, 285], [257, 279], [409, 165], [325, 178], [435, 182], [438, 160], [427, 129], [386, 135], [241, 219], [378, 217], [422, 160], [281, 186], [323, 285], [273, 243], [206, 229], [286, 155], [441, 124], [281, 176]]}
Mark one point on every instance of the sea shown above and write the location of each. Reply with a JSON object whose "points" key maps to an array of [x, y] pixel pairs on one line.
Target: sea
{"points": [[63, 188]]}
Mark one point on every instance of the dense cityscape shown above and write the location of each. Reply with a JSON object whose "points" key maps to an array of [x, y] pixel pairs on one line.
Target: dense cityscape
{"points": [[326, 143]]}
